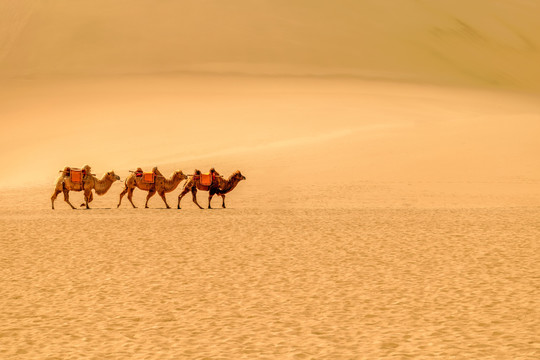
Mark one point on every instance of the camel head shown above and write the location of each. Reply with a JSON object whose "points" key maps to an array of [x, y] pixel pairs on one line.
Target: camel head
{"points": [[238, 176], [180, 175], [112, 176]]}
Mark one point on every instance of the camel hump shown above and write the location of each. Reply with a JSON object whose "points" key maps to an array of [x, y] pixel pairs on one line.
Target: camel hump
{"points": [[156, 171], [138, 169], [197, 172]]}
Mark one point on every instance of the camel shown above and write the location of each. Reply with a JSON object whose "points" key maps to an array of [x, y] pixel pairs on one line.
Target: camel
{"points": [[161, 185], [89, 183], [220, 186]]}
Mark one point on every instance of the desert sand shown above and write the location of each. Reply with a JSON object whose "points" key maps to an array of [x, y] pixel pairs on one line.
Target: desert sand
{"points": [[392, 202]]}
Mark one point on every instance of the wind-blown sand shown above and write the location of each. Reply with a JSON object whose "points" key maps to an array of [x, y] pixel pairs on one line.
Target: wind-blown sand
{"points": [[381, 219]]}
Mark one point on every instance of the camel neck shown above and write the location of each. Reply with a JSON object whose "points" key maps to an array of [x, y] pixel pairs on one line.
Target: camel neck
{"points": [[229, 186], [103, 185], [172, 183]]}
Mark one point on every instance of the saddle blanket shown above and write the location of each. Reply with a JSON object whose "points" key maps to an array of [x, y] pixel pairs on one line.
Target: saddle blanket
{"points": [[148, 177], [76, 175], [206, 179]]}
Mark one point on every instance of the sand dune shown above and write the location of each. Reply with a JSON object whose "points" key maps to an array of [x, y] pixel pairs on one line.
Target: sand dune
{"points": [[486, 43], [277, 131]]}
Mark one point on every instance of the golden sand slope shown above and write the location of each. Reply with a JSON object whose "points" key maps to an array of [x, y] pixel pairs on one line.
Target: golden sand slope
{"points": [[422, 143], [485, 42]]}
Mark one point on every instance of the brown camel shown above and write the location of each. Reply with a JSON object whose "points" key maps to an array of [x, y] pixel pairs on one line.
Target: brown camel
{"points": [[219, 186], [161, 185], [89, 182]]}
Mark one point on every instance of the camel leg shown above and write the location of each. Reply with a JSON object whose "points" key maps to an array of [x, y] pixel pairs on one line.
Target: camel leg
{"points": [[85, 203], [130, 197], [223, 205], [184, 192], [150, 194], [121, 196], [210, 196], [164, 199], [66, 198], [87, 198], [54, 196], [194, 193]]}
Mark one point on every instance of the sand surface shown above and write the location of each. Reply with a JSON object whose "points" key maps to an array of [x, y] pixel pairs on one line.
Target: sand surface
{"points": [[392, 202], [259, 282]]}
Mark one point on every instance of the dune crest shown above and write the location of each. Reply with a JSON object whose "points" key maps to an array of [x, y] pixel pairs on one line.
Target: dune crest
{"points": [[483, 43]]}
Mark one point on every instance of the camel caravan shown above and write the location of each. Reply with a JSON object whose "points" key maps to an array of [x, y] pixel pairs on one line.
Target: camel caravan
{"points": [[75, 179]]}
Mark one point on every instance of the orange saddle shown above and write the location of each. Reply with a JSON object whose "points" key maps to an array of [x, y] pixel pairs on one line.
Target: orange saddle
{"points": [[206, 179], [76, 176], [148, 177]]}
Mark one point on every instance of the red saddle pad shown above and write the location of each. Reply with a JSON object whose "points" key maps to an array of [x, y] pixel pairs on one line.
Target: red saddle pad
{"points": [[148, 177], [206, 179], [76, 176]]}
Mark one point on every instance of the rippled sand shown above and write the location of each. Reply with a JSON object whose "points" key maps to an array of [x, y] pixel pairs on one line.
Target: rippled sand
{"points": [[262, 282]]}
